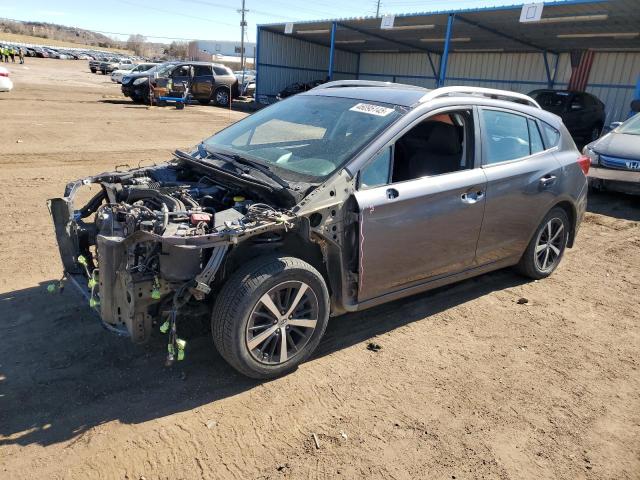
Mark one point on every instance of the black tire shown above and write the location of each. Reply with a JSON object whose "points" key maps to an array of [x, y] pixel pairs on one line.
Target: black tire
{"points": [[204, 101], [222, 96], [93, 70], [531, 264], [239, 303]]}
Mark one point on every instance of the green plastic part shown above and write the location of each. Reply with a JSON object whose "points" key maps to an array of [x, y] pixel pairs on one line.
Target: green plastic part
{"points": [[170, 349], [164, 328], [180, 355], [93, 302], [181, 343], [92, 282], [51, 288], [82, 260], [155, 294]]}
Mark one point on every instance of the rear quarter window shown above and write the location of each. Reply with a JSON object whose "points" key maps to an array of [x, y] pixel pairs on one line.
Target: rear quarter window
{"points": [[551, 135]]}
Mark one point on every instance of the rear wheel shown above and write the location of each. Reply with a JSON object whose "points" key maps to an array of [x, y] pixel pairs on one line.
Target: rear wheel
{"points": [[545, 250], [270, 316]]}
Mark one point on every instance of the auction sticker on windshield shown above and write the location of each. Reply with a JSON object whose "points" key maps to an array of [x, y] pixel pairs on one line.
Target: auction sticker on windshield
{"points": [[371, 109]]}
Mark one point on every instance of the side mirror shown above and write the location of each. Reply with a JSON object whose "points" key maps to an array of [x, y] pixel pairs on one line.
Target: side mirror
{"points": [[635, 105]]}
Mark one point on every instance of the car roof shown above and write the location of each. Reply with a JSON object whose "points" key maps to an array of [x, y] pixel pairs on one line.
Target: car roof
{"points": [[396, 94]]}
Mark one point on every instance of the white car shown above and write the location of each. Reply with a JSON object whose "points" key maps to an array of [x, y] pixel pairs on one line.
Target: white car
{"points": [[117, 75], [5, 82]]}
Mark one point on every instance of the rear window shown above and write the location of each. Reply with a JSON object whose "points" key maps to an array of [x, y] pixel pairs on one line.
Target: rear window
{"points": [[220, 71], [552, 99]]}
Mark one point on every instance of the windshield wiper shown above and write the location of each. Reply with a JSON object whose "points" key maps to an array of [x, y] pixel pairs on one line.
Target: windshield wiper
{"points": [[244, 176], [245, 161]]}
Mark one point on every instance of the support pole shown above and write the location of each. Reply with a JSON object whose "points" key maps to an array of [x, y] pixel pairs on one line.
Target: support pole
{"points": [[256, 64], [445, 54], [555, 71], [332, 49], [358, 68]]}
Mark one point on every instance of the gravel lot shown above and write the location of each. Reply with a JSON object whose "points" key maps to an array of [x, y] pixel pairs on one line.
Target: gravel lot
{"points": [[468, 384]]}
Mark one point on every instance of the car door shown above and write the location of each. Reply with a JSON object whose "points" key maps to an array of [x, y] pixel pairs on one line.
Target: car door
{"points": [[180, 76], [574, 118], [415, 230], [523, 178], [202, 86]]}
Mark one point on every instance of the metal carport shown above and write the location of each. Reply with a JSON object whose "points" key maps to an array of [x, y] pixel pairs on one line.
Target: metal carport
{"points": [[592, 45]]}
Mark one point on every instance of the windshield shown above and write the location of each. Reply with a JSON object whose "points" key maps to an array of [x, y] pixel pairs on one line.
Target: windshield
{"points": [[631, 126], [308, 136]]}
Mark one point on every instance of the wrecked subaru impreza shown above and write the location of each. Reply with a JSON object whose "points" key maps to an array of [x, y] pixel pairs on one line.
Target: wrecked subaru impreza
{"points": [[338, 199]]}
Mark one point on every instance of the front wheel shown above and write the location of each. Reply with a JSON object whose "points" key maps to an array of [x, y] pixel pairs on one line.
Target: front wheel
{"points": [[222, 97], [270, 316], [545, 250]]}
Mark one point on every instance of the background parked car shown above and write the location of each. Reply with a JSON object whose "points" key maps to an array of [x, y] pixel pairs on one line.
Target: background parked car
{"points": [[208, 81], [582, 113], [118, 75], [6, 85], [296, 88], [615, 157]]}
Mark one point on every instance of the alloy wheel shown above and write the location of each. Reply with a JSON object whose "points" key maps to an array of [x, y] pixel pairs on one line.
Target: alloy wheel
{"points": [[222, 97], [282, 322], [549, 245]]}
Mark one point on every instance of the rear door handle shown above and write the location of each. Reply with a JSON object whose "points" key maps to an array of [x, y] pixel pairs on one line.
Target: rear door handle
{"points": [[547, 180], [392, 193], [472, 197]]}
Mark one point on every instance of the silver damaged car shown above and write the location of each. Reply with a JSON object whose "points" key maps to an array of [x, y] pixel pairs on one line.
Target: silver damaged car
{"points": [[347, 196]]}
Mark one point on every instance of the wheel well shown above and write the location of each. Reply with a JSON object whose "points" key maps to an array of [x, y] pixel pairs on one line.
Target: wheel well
{"points": [[571, 214]]}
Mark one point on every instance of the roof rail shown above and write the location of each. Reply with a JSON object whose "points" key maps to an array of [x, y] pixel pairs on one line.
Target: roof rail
{"points": [[364, 83], [480, 91]]}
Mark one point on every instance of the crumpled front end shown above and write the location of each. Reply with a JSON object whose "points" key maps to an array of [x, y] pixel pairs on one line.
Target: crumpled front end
{"points": [[149, 245]]}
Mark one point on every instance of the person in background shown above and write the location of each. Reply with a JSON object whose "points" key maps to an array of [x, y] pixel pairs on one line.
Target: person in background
{"points": [[4, 54], [12, 53], [21, 55]]}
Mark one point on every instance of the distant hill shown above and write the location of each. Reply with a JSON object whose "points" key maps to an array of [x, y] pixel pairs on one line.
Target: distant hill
{"points": [[61, 33]]}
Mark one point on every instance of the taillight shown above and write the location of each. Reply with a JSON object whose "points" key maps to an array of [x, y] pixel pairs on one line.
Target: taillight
{"points": [[584, 162], [3, 74]]}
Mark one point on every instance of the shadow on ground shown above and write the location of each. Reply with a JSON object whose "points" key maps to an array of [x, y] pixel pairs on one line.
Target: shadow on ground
{"points": [[61, 373], [617, 205]]}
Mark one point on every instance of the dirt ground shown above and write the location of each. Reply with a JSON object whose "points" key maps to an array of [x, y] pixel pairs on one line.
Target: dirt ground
{"points": [[468, 384]]}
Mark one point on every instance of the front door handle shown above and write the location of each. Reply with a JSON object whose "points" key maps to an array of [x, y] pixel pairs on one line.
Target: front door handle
{"points": [[392, 193], [547, 180], [472, 197]]}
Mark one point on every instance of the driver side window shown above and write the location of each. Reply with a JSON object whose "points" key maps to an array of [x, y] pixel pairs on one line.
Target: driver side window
{"points": [[443, 143]]}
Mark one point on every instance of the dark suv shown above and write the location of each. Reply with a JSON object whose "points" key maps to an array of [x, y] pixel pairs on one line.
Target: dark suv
{"points": [[582, 113], [206, 81]]}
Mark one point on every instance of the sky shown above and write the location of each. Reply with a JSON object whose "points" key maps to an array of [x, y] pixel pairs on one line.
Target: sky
{"points": [[167, 20]]}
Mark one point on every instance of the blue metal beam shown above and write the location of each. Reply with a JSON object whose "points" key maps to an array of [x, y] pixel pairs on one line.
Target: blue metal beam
{"points": [[445, 53], [332, 48], [256, 62], [546, 67], [555, 71], [358, 68]]}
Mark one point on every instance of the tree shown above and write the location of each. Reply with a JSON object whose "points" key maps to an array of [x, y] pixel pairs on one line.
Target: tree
{"points": [[137, 44], [177, 50]]}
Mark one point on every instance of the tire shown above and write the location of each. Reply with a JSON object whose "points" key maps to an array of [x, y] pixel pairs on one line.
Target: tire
{"points": [[93, 70], [239, 311], [542, 263], [595, 133], [222, 97], [204, 101]]}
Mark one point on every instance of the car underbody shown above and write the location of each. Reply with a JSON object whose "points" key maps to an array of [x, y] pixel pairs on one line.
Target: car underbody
{"points": [[157, 242]]}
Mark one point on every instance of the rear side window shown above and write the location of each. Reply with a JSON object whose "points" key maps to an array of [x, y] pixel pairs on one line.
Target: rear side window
{"points": [[506, 136], [551, 135], [534, 136], [201, 71], [220, 71]]}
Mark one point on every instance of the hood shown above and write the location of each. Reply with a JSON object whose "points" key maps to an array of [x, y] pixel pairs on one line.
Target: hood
{"points": [[618, 145]]}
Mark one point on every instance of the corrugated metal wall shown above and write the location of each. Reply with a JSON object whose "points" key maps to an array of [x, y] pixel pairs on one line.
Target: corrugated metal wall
{"points": [[411, 68], [285, 60], [613, 80]]}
